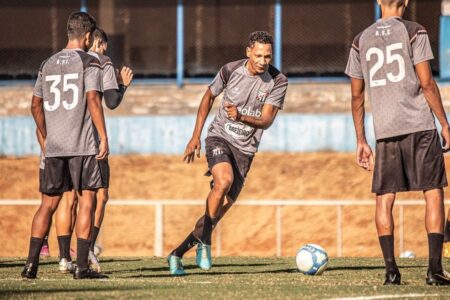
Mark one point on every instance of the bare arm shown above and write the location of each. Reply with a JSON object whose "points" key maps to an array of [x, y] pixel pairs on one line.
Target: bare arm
{"points": [[194, 144], [96, 110], [364, 156], [37, 110], [41, 140], [433, 97], [358, 110], [268, 114]]}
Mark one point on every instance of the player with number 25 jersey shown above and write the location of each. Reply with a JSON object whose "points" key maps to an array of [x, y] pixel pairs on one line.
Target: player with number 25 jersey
{"points": [[390, 61]]}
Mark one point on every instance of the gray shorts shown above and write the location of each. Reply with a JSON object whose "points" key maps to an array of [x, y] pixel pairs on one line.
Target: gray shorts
{"points": [[411, 162], [62, 174], [219, 150]]}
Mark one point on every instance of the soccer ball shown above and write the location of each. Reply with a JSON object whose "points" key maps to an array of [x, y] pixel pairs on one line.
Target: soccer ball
{"points": [[98, 250], [312, 259], [408, 254]]}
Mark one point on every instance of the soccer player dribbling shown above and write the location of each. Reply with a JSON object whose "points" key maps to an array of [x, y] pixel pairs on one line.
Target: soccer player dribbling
{"points": [[390, 60], [253, 92]]}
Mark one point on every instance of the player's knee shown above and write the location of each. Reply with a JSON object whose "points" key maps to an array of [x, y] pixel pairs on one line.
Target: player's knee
{"points": [[223, 184]]}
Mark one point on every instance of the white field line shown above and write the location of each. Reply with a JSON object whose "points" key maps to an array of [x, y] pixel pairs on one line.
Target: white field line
{"points": [[394, 296]]}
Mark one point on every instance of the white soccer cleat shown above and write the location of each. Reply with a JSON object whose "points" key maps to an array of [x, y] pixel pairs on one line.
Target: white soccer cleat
{"points": [[66, 266], [93, 262]]}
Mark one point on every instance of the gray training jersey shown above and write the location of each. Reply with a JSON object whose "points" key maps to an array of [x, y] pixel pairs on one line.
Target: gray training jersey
{"points": [[63, 81], [109, 79], [249, 93], [384, 55]]}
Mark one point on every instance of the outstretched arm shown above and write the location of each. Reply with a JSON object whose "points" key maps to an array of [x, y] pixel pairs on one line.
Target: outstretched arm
{"points": [[364, 156], [194, 145], [268, 114], [433, 97]]}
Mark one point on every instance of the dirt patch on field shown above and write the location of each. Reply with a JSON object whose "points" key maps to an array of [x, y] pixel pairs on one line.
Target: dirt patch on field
{"points": [[245, 230]]}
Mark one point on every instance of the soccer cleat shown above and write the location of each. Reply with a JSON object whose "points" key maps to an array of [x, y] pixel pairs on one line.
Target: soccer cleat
{"points": [[175, 265], [392, 278], [45, 252], [446, 250], [203, 256], [440, 278], [88, 274], [66, 266], [29, 271], [94, 264]]}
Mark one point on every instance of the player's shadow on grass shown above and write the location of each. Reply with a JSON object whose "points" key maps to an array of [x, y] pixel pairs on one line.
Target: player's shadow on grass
{"points": [[213, 273], [112, 260], [34, 291], [370, 267], [21, 263], [191, 267]]}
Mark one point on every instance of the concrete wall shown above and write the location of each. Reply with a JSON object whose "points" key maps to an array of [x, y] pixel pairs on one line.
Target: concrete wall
{"points": [[169, 134]]}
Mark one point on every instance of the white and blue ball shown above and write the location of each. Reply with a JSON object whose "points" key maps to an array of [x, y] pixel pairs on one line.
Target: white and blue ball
{"points": [[312, 259]]}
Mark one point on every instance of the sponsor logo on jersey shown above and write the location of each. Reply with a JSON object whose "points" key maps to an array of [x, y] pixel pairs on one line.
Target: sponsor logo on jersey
{"points": [[248, 111], [262, 95], [238, 130]]}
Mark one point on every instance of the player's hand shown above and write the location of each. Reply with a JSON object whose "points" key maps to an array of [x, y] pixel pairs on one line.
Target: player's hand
{"points": [[364, 156], [192, 148], [232, 111], [125, 76], [445, 133], [103, 150]]}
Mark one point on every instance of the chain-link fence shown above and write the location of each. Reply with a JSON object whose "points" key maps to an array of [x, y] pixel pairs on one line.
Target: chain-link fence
{"points": [[316, 34]]}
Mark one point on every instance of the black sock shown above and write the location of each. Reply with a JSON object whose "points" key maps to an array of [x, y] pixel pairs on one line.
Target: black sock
{"points": [[387, 246], [64, 247], [447, 231], [82, 253], [207, 229], [35, 249], [186, 245], [45, 243], [435, 252], [95, 231]]}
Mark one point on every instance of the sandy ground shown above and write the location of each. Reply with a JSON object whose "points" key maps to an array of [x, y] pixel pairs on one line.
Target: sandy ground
{"points": [[245, 230]]}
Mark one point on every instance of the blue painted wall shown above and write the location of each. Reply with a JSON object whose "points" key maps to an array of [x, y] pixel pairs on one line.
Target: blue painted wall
{"points": [[169, 134]]}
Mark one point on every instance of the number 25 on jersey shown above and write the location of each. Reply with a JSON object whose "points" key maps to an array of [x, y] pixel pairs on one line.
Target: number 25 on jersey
{"points": [[391, 58], [66, 86]]}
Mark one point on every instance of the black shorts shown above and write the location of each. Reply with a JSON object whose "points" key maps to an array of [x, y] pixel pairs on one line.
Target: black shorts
{"points": [[218, 150], [411, 162], [62, 174]]}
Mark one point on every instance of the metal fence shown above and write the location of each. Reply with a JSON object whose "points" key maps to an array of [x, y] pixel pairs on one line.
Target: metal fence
{"points": [[278, 204], [193, 38]]}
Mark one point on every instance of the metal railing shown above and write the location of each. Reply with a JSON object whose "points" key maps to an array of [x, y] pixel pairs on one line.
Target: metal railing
{"points": [[278, 204]]}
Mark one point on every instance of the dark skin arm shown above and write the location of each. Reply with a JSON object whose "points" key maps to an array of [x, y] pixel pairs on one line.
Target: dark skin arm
{"points": [[194, 145], [95, 108], [268, 114], [433, 97], [37, 110], [41, 140], [364, 155]]}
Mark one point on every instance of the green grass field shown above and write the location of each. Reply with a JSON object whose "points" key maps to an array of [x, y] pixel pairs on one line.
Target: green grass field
{"points": [[230, 278]]}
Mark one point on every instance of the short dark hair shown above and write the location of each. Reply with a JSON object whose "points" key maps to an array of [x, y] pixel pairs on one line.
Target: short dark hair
{"points": [[396, 3], [80, 23], [262, 37], [100, 34]]}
